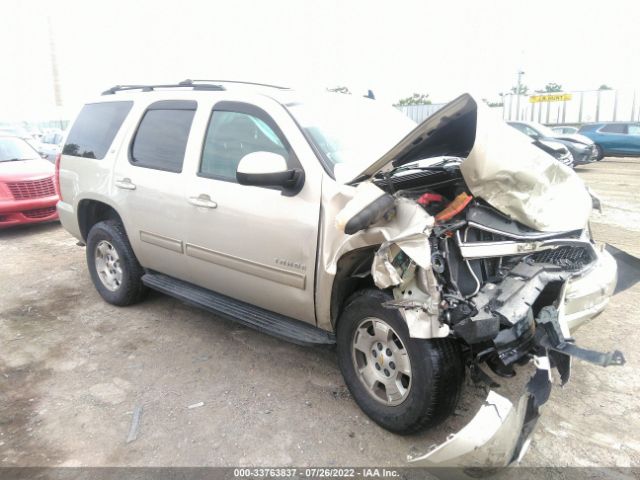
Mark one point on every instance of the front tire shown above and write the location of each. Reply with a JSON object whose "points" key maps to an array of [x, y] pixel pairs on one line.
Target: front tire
{"points": [[599, 153], [113, 266], [404, 384]]}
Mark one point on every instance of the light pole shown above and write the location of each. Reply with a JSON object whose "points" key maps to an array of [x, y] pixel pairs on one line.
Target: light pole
{"points": [[520, 73]]}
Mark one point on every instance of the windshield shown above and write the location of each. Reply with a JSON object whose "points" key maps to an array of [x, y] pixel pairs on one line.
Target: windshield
{"points": [[542, 130], [351, 130], [13, 148]]}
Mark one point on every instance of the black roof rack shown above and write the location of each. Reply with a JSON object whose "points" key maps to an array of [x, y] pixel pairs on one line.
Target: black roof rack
{"points": [[239, 82], [150, 88], [213, 85]]}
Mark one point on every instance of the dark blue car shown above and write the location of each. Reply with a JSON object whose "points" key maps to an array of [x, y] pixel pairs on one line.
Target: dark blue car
{"points": [[616, 139]]}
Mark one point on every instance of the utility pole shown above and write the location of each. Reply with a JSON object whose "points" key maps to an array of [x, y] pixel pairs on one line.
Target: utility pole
{"points": [[520, 73], [57, 96]]}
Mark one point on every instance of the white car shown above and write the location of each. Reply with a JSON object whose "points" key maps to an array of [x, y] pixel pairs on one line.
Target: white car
{"points": [[50, 145]]}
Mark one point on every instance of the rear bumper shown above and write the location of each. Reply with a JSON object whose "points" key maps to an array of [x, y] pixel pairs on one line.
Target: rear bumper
{"points": [[20, 212], [69, 219]]}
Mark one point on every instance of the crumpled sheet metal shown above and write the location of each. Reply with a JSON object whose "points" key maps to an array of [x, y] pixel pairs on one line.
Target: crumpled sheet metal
{"points": [[365, 194], [410, 232], [409, 229], [505, 169], [423, 325]]}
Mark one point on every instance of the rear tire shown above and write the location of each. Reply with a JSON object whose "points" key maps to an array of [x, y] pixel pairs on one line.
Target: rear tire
{"points": [[113, 266], [399, 404]]}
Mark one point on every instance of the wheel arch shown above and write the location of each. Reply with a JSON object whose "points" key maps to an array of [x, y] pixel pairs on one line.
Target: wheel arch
{"points": [[353, 272], [92, 211]]}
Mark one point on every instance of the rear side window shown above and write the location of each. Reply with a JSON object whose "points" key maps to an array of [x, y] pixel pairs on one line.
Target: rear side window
{"points": [[95, 128], [634, 129], [161, 140], [614, 128]]}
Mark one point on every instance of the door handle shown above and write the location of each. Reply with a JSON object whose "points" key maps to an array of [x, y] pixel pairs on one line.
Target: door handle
{"points": [[125, 183], [203, 200]]}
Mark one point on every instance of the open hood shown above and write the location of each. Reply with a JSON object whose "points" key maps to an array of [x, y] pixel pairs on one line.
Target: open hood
{"points": [[502, 166]]}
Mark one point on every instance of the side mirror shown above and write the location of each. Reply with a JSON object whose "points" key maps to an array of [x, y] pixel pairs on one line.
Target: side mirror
{"points": [[267, 169]]}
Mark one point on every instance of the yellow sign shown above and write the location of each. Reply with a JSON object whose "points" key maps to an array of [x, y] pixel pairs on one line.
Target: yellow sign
{"points": [[553, 97]]}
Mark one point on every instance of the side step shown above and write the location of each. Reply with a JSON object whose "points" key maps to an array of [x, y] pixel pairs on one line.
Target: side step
{"points": [[251, 316]]}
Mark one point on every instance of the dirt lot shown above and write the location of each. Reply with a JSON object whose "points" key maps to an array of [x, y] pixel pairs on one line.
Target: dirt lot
{"points": [[73, 368]]}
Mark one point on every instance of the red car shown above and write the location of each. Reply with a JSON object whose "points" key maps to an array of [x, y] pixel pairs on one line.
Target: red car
{"points": [[28, 192]]}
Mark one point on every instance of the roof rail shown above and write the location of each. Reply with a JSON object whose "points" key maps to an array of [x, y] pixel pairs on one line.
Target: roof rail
{"points": [[150, 88], [239, 82]]}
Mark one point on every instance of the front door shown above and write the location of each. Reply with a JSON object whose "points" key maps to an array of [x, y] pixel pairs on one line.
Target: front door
{"points": [[255, 244]]}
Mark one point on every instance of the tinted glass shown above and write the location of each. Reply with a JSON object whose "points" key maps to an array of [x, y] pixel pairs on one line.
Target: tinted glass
{"points": [[634, 129], [13, 148], [588, 128], [231, 136], [161, 139], [95, 128], [614, 128], [525, 129]]}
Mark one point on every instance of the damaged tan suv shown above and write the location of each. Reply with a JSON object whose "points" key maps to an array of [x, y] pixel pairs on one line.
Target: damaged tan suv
{"points": [[423, 252]]}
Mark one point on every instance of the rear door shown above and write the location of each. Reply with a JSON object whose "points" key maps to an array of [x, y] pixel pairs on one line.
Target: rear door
{"points": [[633, 139], [255, 244], [613, 137], [149, 186]]}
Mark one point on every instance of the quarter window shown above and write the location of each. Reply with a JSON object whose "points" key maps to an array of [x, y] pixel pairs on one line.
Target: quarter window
{"points": [[161, 140], [614, 128], [95, 128], [232, 135], [634, 129]]}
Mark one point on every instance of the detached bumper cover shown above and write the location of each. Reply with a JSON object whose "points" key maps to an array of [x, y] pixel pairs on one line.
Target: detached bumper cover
{"points": [[498, 435]]}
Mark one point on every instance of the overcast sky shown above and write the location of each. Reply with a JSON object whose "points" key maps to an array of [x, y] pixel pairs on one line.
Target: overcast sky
{"points": [[394, 48]]}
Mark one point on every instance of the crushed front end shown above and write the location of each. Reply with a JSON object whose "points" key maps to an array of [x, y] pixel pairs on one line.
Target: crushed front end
{"points": [[510, 294], [486, 240]]}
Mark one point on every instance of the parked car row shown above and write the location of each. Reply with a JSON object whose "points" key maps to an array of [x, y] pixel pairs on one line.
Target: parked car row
{"points": [[48, 143], [581, 150], [618, 139], [28, 193]]}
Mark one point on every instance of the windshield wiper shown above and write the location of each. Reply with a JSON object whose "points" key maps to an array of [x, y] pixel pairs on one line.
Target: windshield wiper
{"points": [[16, 159]]}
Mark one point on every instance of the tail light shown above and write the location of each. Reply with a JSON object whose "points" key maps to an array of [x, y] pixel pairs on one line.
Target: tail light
{"points": [[57, 175]]}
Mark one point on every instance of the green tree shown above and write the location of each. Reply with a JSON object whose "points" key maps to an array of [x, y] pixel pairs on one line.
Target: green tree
{"points": [[604, 86], [493, 104], [552, 87], [523, 89], [340, 90], [415, 99]]}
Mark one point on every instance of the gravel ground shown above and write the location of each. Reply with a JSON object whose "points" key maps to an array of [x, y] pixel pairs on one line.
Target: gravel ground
{"points": [[73, 369]]}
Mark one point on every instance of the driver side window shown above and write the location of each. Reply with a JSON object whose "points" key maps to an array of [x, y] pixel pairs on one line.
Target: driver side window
{"points": [[232, 135]]}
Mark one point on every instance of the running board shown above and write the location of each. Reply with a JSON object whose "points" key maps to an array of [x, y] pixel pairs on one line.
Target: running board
{"points": [[251, 316]]}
